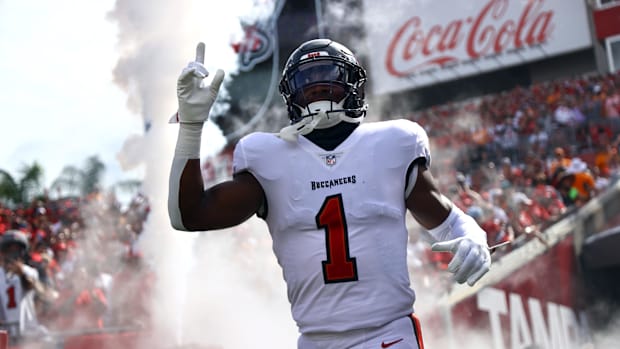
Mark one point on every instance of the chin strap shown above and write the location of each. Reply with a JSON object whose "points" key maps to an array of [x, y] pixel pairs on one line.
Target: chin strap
{"points": [[303, 127], [320, 114]]}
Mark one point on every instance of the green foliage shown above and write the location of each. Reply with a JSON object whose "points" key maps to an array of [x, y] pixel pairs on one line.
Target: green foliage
{"points": [[80, 181], [9, 188], [17, 191], [31, 181], [91, 175], [72, 181]]}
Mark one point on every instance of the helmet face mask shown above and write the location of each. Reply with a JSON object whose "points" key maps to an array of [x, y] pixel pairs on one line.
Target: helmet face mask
{"points": [[323, 70]]}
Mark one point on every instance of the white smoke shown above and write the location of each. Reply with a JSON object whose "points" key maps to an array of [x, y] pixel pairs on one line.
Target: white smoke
{"points": [[205, 295], [220, 289], [608, 337]]}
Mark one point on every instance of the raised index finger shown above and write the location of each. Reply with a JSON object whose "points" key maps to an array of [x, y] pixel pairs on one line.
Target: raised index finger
{"points": [[200, 52]]}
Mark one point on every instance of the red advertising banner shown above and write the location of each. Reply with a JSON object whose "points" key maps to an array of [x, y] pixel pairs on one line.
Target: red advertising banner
{"points": [[607, 22], [538, 305]]}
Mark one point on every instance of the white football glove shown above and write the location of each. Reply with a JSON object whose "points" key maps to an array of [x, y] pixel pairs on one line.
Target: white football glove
{"points": [[471, 259], [196, 98]]}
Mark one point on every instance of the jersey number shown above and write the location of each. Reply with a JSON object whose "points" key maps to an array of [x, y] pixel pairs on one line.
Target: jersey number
{"points": [[10, 292], [339, 266]]}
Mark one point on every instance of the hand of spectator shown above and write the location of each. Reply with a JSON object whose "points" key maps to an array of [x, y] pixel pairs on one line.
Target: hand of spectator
{"points": [[195, 98], [471, 259]]}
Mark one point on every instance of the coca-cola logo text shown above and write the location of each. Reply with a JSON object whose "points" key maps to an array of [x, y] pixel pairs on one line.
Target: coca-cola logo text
{"points": [[414, 48]]}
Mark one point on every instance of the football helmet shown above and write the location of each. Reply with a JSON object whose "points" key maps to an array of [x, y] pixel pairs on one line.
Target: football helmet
{"points": [[14, 237], [323, 77]]}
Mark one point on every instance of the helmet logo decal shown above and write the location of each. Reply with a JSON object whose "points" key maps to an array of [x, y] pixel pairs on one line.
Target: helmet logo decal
{"points": [[314, 55]]}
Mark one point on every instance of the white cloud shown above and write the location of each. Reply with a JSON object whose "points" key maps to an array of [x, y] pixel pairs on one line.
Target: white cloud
{"points": [[59, 104]]}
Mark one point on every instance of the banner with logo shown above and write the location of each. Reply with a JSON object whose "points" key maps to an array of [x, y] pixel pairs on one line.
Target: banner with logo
{"points": [[541, 304], [272, 29], [420, 42]]}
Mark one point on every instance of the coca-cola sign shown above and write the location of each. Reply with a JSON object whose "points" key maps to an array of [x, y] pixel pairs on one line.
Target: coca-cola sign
{"points": [[430, 41]]}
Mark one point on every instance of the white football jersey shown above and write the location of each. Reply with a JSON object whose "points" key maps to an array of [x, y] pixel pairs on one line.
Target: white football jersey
{"points": [[11, 297], [337, 221]]}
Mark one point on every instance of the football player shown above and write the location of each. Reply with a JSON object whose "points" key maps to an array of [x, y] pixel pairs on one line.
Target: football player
{"points": [[334, 193]]}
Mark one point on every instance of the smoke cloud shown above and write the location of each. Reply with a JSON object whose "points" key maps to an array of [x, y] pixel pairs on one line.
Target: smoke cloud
{"points": [[208, 293], [609, 336]]}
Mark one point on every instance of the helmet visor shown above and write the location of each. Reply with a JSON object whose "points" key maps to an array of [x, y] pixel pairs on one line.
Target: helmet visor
{"points": [[318, 81], [318, 71]]}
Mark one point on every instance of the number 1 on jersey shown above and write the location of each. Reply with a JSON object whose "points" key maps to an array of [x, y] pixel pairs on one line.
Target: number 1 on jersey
{"points": [[12, 303], [339, 266]]}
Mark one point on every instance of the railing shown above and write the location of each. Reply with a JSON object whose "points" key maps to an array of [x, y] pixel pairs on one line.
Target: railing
{"points": [[607, 3]]}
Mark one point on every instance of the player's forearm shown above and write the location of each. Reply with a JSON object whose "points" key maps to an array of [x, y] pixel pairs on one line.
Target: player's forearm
{"points": [[186, 192], [438, 215], [185, 183]]}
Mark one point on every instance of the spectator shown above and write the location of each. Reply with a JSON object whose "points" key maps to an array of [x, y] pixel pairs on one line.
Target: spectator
{"points": [[584, 181], [5, 218], [509, 174], [20, 284], [524, 222], [593, 103], [547, 198], [465, 195], [565, 114], [563, 182], [500, 209], [612, 104], [497, 231], [604, 154], [539, 138], [560, 160], [506, 138]]}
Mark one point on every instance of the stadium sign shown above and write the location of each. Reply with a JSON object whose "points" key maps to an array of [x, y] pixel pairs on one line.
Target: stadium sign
{"points": [[528, 325], [427, 42]]}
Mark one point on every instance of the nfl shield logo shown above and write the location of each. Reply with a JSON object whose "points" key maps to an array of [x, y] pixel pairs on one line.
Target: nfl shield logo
{"points": [[330, 160]]}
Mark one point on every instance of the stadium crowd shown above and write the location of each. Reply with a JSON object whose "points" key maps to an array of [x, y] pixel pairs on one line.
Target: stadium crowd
{"points": [[524, 158], [520, 160], [88, 273]]}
